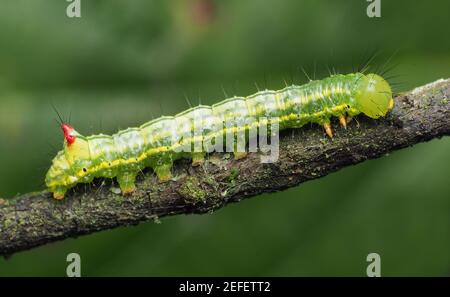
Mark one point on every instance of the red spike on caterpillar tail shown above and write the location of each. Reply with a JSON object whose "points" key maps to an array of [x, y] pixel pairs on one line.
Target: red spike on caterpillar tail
{"points": [[203, 129]]}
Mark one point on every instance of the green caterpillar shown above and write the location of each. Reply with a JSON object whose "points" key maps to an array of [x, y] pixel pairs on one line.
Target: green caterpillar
{"points": [[157, 144]]}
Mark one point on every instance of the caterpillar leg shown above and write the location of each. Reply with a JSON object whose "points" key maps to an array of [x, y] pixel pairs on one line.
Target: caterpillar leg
{"points": [[198, 159], [328, 130], [59, 193], [343, 121], [164, 172], [349, 119], [391, 104], [126, 182], [239, 155]]}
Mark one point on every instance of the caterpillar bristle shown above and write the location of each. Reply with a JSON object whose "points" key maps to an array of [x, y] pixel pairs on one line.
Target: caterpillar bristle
{"points": [[187, 100], [224, 92], [57, 113], [306, 74], [257, 87]]}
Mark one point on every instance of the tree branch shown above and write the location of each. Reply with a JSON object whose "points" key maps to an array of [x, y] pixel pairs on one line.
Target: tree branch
{"points": [[35, 219]]}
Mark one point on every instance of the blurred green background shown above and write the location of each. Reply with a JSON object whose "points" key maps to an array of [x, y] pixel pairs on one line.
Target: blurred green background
{"points": [[124, 62]]}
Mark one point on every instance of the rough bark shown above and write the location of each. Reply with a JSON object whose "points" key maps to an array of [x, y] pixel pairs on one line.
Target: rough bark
{"points": [[35, 219]]}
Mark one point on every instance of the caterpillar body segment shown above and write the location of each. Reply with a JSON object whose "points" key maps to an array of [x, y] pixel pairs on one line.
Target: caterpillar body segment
{"points": [[197, 131]]}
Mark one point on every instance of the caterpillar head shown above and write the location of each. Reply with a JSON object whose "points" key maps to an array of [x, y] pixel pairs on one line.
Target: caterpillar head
{"points": [[69, 162], [373, 96]]}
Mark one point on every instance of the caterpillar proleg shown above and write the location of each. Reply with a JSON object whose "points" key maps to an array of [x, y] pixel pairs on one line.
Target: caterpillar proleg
{"points": [[200, 130]]}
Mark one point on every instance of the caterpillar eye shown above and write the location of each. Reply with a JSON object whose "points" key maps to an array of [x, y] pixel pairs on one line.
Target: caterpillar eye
{"points": [[84, 170], [109, 164]]}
